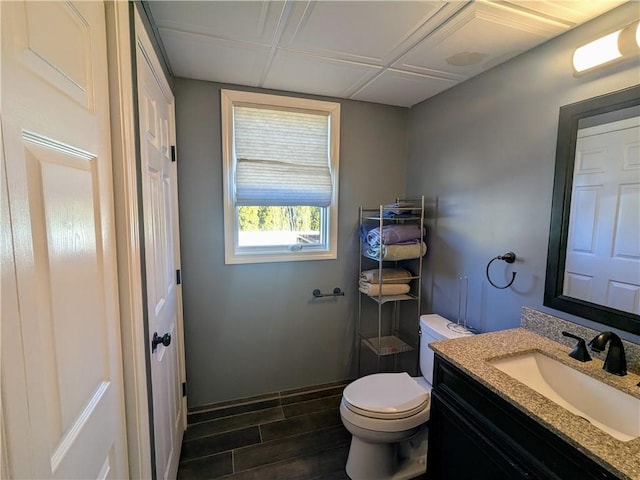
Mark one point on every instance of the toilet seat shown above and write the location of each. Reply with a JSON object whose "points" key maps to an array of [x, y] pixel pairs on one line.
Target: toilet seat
{"points": [[386, 396]]}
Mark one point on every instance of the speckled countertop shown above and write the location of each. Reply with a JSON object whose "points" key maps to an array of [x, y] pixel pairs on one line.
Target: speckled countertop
{"points": [[471, 354]]}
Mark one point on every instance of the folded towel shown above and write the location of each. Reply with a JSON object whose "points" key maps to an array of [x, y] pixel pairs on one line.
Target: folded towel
{"points": [[392, 234], [400, 208], [389, 275], [397, 252], [398, 215], [374, 289]]}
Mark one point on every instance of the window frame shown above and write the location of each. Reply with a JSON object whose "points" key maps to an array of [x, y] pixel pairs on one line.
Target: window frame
{"points": [[234, 254]]}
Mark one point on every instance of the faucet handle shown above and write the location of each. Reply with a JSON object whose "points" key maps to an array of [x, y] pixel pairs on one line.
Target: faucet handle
{"points": [[580, 351]]}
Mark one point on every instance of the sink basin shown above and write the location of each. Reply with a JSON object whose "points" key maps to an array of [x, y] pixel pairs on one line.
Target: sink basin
{"points": [[611, 410]]}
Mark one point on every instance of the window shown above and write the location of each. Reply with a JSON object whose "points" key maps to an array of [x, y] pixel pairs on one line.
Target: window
{"points": [[280, 162]]}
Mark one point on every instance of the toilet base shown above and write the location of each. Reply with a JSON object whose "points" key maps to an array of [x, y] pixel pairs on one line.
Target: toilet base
{"points": [[388, 461]]}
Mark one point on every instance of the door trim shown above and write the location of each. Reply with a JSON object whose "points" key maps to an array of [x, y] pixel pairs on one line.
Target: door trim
{"points": [[124, 29], [145, 48], [131, 279]]}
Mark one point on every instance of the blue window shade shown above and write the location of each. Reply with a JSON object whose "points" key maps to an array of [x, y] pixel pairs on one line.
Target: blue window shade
{"points": [[282, 157]]}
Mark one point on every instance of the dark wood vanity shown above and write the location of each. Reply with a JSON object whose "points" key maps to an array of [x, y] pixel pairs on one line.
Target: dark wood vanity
{"points": [[476, 434]]}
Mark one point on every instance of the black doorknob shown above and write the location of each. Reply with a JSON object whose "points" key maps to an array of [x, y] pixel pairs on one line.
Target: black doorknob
{"points": [[157, 340]]}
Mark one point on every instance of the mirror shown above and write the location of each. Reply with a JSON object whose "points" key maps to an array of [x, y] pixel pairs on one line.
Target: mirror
{"points": [[593, 262]]}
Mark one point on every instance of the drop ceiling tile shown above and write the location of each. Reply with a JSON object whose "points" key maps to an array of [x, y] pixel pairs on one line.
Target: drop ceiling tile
{"points": [[206, 58], [368, 32], [320, 76], [404, 89], [570, 12], [478, 38], [249, 21], [341, 48]]}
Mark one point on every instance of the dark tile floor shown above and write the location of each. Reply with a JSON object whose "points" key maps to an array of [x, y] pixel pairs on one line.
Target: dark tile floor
{"points": [[293, 435]]}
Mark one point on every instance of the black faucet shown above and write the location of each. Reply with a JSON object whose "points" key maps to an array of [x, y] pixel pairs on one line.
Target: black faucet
{"points": [[580, 352], [616, 361]]}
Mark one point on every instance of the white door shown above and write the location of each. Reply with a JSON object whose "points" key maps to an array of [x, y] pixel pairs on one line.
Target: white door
{"points": [[160, 212], [603, 248], [62, 384]]}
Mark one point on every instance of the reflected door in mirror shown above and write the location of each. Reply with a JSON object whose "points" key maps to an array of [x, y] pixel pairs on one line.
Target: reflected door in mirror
{"points": [[603, 247]]}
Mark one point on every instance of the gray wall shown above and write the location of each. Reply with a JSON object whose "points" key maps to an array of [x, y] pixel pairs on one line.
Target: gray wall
{"points": [[484, 154], [254, 329]]}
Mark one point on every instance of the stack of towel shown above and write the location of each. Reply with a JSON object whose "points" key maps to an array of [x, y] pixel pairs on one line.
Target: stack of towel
{"points": [[400, 210], [394, 281], [395, 242]]}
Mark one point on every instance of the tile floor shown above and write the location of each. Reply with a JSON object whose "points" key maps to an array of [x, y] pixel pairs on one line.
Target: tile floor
{"points": [[293, 435]]}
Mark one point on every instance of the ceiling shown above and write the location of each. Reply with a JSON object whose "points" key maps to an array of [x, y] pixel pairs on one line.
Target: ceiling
{"points": [[391, 52]]}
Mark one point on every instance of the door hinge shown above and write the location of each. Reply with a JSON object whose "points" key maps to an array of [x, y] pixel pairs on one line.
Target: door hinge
{"points": [[173, 153], [184, 389], [178, 277]]}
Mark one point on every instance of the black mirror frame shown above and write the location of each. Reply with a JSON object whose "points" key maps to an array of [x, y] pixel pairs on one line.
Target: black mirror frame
{"points": [[570, 115]]}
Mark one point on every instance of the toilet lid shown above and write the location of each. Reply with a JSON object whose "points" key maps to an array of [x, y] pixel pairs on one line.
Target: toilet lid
{"points": [[386, 395]]}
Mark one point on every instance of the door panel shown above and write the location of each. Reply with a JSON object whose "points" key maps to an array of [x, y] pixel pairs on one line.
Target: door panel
{"points": [[69, 395], [70, 70], [63, 189], [603, 248], [159, 180]]}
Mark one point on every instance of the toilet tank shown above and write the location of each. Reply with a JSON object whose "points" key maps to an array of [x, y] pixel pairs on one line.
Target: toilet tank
{"points": [[433, 327]]}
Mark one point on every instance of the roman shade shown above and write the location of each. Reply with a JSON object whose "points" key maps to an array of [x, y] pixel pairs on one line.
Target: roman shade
{"points": [[281, 157]]}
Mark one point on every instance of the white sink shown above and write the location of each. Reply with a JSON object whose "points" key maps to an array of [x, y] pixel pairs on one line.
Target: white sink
{"points": [[607, 408]]}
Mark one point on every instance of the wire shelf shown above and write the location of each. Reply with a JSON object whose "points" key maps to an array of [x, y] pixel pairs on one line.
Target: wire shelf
{"points": [[393, 298], [388, 345]]}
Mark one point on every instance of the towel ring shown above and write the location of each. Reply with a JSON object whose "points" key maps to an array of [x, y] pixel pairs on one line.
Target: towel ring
{"points": [[508, 257]]}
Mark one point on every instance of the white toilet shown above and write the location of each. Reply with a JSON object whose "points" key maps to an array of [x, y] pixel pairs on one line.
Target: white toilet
{"points": [[387, 413]]}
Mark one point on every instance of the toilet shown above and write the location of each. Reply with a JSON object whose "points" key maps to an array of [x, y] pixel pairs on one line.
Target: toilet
{"points": [[386, 413]]}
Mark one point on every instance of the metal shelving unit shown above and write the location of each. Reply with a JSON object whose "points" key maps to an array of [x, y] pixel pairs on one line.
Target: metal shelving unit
{"points": [[387, 340]]}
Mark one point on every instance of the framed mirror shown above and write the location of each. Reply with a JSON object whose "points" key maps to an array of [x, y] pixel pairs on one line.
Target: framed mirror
{"points": [[593, 261]]}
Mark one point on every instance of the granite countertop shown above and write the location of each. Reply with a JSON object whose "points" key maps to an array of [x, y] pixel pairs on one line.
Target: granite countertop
{"points": [[471, 353]]}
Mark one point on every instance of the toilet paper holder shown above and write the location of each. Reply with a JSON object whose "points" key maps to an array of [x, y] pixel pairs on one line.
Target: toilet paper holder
{"points": [[337, 292]]}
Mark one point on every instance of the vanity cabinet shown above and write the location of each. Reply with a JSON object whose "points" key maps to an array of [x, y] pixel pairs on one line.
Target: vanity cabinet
{"points": [[379, 309], [476, 434]]}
